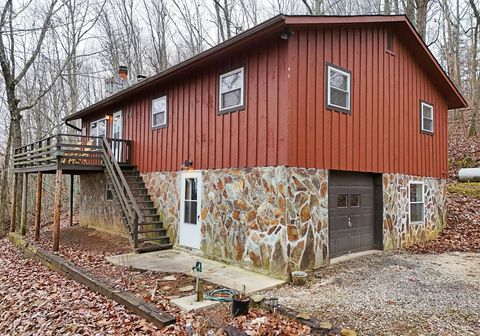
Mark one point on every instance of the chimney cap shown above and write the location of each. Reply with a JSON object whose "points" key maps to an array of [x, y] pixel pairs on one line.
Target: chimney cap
{"points": [[122, 68]]}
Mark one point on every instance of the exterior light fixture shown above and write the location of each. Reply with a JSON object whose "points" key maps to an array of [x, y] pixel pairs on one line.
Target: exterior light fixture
{"points": [[187, 164], [107, 117], [286, 34]]}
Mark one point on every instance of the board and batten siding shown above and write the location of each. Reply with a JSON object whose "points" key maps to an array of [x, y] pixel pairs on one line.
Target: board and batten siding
{"points": [[382, 132], [285, 121], [251, 137]]}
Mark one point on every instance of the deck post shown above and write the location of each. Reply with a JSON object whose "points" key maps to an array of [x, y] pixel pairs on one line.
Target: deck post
{"points": [[57, 210], [23, 214], [13, 209], [38, 206], [71, 198]]}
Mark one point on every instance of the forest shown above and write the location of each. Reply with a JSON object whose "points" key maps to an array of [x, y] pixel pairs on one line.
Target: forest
{"points": [[56, 55]]}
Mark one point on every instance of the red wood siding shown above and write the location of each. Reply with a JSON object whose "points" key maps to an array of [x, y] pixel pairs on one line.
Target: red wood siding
{"points": [[285, 121], [382, 133], [255, 136]]}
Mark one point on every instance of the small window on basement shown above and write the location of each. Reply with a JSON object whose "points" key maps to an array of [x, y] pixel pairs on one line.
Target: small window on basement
{"points": [[338, 89], [417, 205], [426, 111], [389, 41], [231, 91], [159, 112]]}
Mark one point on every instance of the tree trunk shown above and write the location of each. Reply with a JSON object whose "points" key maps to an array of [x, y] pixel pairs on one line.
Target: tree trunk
{"points": [[4, 186]]}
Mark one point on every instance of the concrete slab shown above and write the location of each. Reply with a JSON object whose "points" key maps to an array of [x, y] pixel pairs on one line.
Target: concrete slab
{"points": [[177, 261], [188, 303]]}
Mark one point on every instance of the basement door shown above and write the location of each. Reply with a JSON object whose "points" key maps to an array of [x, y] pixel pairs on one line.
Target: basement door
{"points": [[190, 208], [351, 213]]}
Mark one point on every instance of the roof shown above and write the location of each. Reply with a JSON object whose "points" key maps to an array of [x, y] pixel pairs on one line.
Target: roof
{"points": [[277, 24]]}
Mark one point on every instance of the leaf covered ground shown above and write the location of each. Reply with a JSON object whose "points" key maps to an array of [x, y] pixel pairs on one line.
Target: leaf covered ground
{"points": [[87, 249], [37, 301]]}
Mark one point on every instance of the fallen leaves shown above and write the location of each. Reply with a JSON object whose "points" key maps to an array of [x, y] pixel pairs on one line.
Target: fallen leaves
{"points": [[462, 233], [35, 300]]}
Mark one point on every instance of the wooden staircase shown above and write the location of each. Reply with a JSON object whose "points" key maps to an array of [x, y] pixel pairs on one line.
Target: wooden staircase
{"points": [[139, 215], [151, 235]]}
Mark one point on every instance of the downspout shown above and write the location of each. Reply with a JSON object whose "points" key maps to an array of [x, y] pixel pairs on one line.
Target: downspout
{"points": [[73, 126]]}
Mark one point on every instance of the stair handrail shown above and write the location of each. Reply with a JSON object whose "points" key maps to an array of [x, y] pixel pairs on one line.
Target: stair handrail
{"points": [[121, 187]]}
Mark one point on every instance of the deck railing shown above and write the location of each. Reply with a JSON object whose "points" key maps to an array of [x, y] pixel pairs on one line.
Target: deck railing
{"points": [[125, 197], [69, 150]]}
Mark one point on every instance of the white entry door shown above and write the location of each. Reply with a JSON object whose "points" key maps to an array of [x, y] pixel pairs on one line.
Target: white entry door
{"points": [[190, 209], [117, 130]]}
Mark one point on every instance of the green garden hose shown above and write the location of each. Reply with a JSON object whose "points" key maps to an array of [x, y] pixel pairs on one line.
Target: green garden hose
{"points": [[220, 295]]}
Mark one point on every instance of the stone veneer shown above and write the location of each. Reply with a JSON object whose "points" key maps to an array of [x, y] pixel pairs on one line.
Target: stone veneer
{"points": [[273, 219], [397, 231], [95, 210], [164, 189]]}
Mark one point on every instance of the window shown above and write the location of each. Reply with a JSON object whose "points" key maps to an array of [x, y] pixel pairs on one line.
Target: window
{"points": [[354, 200], [191, 199], [416, 202], [231, 91], [98, 129], [342, 200], [426, 111], [338, 89], [159, 112], [109, 194]]}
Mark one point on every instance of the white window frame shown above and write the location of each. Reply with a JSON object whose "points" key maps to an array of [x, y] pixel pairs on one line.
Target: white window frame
{"points": [[410, 202], [240, 70], [166, 112], [348, 91], [422, 116]]}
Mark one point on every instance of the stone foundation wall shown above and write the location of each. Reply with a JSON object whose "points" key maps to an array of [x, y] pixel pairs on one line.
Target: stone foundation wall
{"points": [[397, 231], [95, 210], [273, 219], [164, 189]]}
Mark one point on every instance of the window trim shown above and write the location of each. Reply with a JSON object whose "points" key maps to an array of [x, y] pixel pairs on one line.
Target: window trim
{"points": [[165, 124], [344, 71], [242, 104], [410, 202], [422, 128]]}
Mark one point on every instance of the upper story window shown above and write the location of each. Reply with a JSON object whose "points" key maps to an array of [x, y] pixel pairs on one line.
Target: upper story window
{"points": [[159, 112], [426, 111], [417, 204], [338, 88], [231, 91]]}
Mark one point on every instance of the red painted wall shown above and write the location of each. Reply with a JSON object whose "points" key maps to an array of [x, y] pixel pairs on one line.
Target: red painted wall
{"points": [[285, 121], [382, 133], [255, 136]]}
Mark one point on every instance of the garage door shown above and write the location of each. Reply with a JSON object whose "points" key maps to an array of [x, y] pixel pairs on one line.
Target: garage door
{"points": [[351, 213]]}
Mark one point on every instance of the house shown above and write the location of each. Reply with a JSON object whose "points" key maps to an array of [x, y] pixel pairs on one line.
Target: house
{"points": [[302, 139]]}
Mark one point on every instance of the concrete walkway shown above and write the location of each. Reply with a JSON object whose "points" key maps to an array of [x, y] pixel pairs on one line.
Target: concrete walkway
{"points": [[176, 261]]}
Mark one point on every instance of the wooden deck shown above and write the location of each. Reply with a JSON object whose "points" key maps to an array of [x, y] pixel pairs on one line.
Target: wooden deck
{"points": [[73, 154]]}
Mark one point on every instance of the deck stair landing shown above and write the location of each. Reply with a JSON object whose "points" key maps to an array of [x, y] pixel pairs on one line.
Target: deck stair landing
{"points": [[150, 235]]}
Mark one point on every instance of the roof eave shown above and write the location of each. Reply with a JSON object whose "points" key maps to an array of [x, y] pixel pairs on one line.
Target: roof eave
{"points": [[255, 32]]}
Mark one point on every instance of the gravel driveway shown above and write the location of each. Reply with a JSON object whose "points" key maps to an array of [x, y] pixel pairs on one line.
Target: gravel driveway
{"points": [[395, 294]]}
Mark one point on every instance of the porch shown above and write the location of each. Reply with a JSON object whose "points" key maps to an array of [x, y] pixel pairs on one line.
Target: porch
{"points": [[78, 155], [70, 153]]}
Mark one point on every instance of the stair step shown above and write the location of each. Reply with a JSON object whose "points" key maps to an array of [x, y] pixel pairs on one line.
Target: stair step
{"points": [[151, 223], [151, 215], [153, 248], [152, 231], [149, 239]]}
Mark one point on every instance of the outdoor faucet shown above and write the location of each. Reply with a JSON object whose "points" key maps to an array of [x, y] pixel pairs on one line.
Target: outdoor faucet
{"points": [[198, 284]]}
